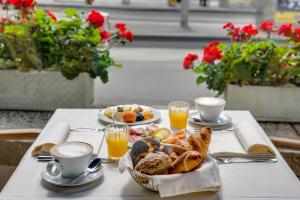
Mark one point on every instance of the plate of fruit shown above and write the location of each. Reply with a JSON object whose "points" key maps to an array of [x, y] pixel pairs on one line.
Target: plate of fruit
{"points": [[129, 114]]}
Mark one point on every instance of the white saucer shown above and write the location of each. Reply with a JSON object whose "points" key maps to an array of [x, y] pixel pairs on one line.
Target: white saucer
{"points": [[62, 181], [223, 120]]}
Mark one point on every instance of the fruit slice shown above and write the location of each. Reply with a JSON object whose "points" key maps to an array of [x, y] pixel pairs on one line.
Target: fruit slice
{"points": [[148, 115], [162, 133], [180, 134]]}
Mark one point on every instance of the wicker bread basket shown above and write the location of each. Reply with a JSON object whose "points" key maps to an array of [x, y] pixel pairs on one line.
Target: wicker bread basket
{"points": [[144, 180]]}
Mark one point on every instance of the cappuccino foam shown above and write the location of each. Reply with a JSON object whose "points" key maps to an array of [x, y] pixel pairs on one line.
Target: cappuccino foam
{"points": [[210, 101], [72, 149]]}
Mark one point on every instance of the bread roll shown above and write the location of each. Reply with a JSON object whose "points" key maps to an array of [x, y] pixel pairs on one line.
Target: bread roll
{"points": [[200, 141], [141, 148], [186, 162], [154, 164]]}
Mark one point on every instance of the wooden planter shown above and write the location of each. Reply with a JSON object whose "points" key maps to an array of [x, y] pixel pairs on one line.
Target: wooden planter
{"points": [[264, 102], [44, 90]]}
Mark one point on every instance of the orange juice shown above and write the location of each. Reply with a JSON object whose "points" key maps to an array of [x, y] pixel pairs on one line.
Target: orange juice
{"points": [[178, 119], [117, 144]]}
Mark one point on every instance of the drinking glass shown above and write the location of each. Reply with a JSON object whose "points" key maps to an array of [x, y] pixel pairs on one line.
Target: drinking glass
{"points": [[116, 136], [178, 113]]}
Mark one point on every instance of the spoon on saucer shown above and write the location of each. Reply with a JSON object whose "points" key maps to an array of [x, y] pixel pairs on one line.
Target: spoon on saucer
{"points": [[52, 169], [94, 166]]}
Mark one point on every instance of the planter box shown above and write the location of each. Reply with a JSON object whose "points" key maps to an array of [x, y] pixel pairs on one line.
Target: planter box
{"points": [[44, 90], [264, 102]]}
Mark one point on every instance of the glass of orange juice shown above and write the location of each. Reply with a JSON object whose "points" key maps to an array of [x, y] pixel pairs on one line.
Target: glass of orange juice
{"points": [[116, 136], [178, 113]]}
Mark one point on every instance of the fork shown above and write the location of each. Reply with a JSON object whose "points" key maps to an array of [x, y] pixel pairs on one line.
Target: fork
{"points": [[230, 129], [246, 160], [87, 128]]}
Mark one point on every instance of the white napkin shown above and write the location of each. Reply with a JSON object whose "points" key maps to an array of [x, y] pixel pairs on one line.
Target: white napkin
{"points": [[206, 178], [56, 133], [93, 138], [60, 132]]}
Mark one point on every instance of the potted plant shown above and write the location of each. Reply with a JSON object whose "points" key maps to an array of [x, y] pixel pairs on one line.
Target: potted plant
{"points": [[61, 56], [260, 75]]}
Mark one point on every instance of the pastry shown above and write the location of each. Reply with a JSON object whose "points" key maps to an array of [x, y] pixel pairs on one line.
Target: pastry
{"points": [[186, 162], [154, 164], [200, 141]]}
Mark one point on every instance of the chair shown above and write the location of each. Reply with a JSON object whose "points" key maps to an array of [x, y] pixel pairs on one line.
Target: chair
{"points": [[13, 144]]}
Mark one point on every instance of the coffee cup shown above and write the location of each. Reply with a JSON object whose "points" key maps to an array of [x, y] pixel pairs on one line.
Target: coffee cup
{"points": [[72, 158], [210, 108]]}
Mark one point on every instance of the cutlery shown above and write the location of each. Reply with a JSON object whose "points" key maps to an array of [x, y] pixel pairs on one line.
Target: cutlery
{"points": [[230, 129], [87, 128], [244, 160], [47, 158]]}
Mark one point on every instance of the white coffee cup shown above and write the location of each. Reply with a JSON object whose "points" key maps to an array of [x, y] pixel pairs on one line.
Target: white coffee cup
{"points": [[72, 158], [210, 108]]}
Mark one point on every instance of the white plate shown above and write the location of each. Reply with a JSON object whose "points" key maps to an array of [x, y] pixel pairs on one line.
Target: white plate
{"points": [[106, 120], [222, 120], [62, 181]]}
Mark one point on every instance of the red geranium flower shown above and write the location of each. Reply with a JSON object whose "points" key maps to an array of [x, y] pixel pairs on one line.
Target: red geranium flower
{"points": [[22, 3], [297, 35], [213, 44], [128, 35], [52, 15], [249, 30], [228, 25], [95, 18], [121, 26], [188, 61], [105, 35], [236, 34], [211, 54], [267, 26], [285, 29]]}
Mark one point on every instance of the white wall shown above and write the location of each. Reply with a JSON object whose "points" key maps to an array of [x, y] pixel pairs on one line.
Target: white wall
{"points": [[151, 76]]}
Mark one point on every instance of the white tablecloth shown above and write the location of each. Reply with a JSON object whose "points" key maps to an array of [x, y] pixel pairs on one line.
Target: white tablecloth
{"points": [[251, 181]]}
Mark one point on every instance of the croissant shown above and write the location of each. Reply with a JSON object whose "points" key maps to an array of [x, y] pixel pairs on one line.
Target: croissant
{"points": [[200, 141], [186, 162]]}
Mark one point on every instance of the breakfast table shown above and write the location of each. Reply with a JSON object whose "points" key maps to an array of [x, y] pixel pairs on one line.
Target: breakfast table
{"points": [[246, 181]]}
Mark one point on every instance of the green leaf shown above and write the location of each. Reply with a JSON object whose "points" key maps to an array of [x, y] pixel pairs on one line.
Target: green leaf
{"points": [[104, 76], [118, 65], [198, 70], [200, 79], [39, 13], [71, 12]]}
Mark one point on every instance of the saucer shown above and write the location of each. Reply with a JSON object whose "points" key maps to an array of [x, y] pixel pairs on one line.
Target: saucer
{"points": [[62, 181], [223, 120]]}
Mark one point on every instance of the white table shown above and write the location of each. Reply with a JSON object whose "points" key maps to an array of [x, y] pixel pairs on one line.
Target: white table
{"points": [[250, 181]]}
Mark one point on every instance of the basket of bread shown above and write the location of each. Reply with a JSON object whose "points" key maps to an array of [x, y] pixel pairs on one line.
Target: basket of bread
{"points": [[149, 158]]}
